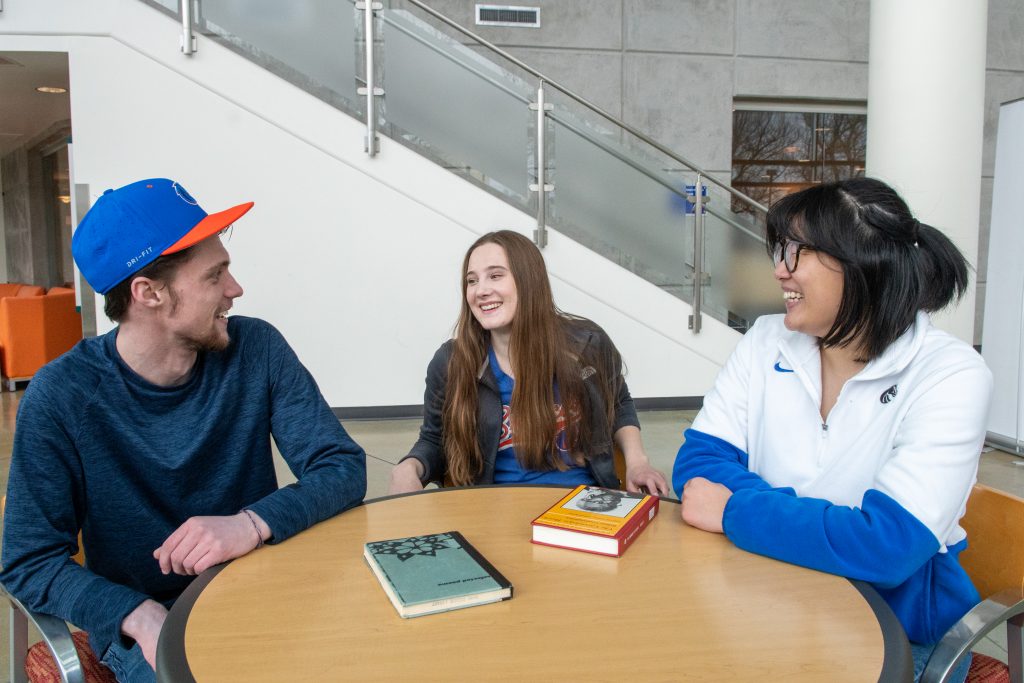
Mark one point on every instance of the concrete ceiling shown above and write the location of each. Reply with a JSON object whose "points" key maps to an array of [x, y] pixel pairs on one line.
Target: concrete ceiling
{"points": [[24, 112]]}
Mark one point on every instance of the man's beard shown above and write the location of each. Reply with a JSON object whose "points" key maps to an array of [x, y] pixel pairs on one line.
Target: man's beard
{"points": [[209, 342], [212, 341]]}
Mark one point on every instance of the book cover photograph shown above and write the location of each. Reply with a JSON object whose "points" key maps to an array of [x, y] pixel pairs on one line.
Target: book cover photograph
{"points": [[434, 573], [595, 519]]}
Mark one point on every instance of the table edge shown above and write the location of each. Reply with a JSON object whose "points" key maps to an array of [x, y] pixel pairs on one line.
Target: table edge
{"points": [[172, 663], [897, 662]]}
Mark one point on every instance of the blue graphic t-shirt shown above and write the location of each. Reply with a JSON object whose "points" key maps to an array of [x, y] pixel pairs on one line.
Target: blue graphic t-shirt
{"points": [[507, 469]]}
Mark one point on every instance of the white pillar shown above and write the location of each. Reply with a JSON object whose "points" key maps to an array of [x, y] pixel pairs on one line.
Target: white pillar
{"points": [[926, 106]]}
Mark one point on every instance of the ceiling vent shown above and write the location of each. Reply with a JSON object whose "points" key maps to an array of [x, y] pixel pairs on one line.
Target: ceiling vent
{"points": [[507, 15]]}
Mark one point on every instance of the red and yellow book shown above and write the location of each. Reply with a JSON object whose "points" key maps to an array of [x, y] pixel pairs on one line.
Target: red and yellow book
{"points": [[595, 520]]}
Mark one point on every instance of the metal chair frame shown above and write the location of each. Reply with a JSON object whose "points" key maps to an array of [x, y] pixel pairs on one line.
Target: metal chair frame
{"points": [[1004, 606], [55, 634]]}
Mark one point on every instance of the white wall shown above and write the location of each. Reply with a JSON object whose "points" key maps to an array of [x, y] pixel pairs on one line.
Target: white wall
{"points": [[355, 259], [1003, 341]]}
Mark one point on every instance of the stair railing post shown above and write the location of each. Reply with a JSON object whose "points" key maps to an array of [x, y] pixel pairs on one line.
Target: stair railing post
{"points": [[188, 39], [698, 253], [541, 187], [372, 142]]}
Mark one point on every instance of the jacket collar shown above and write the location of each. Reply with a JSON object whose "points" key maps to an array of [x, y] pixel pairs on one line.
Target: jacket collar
{"points": [[897, 357], [801, 351]]}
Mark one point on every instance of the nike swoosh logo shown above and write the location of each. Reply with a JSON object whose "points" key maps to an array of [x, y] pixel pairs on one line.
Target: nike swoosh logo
{"points": [[779, 368]]}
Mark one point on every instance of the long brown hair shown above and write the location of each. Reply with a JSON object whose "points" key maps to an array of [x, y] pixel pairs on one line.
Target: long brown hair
{"points": [[541, 357]]}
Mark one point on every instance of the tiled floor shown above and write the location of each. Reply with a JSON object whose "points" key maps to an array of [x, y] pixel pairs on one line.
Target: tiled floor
{"points": [[386, 441]]}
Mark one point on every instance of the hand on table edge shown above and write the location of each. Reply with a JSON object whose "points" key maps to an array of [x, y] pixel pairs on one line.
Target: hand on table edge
{"points": [[640, 475], [643, 477], [406, 477], [202, 542], [702, 504], [143, 625]]}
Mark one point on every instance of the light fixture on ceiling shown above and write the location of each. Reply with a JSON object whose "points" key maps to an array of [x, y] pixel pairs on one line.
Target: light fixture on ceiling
{"points": [[51, 90]]}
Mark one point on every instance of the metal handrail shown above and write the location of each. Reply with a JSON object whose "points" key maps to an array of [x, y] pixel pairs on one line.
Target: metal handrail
{"points": [[541, 187], [568, 125], [588, 104], [472, 68], [571, 126], [544, 113], [640, 168]]}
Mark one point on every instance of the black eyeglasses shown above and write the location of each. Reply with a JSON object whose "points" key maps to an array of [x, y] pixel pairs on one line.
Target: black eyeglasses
{"points": [[789, 251]]}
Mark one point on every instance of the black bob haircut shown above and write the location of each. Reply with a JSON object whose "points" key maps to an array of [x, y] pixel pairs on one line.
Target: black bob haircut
{"points": [[893, 266]]}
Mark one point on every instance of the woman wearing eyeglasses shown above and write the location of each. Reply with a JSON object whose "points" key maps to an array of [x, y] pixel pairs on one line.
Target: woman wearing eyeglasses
{"points": [[845, 435]]}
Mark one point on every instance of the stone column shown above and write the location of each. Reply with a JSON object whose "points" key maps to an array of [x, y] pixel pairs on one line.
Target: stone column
{"points": [[926, 100]]}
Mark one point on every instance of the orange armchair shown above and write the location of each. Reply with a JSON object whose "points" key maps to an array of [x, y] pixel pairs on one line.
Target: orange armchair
{"points": [[15, 289], [36, 329]]}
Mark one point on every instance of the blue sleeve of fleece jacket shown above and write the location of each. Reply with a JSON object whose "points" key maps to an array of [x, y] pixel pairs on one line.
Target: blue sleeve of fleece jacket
{"points": [[717, 460], [879, 542], [329, 465], [807, 531]]}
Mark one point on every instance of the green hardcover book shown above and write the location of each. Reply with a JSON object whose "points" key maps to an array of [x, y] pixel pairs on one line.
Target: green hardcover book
{"points": [[434, 573]]}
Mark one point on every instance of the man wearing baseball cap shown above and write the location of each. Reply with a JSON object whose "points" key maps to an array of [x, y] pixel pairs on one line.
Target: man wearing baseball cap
{"points": [[153, 440]]}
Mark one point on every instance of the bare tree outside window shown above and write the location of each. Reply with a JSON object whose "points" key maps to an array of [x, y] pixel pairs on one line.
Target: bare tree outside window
{"points": [[777, 153]]}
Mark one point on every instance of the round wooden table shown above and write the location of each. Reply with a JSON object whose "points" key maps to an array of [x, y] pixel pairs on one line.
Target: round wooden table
{"points": [[680, 603]]}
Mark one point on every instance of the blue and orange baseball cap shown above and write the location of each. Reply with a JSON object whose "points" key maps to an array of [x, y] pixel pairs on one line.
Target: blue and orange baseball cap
{"points": [[132, 226]]}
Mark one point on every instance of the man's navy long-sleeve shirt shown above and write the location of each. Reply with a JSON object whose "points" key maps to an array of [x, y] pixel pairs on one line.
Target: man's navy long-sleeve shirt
{"points": [[99, 449]]}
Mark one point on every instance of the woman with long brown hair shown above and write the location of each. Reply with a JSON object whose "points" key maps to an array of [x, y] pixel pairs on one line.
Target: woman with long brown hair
{"points": [[524, 393]]}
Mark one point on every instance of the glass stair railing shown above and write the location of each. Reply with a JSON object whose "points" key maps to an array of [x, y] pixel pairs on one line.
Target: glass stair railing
{"points": [[488, 117]]}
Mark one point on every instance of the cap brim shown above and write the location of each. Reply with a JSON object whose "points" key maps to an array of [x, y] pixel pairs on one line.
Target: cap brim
{"points": [[211, 225]]}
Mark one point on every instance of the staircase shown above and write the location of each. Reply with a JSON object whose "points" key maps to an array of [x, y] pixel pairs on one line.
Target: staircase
{"points": [[484, 115], [355, 257]]}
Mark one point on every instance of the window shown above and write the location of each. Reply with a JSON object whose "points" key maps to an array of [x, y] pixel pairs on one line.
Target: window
{"points": [[777, 152]]}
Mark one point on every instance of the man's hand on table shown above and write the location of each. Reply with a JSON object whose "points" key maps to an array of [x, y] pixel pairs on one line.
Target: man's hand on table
{"points": [[143, 625], [703, 504], [202, 542]]}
